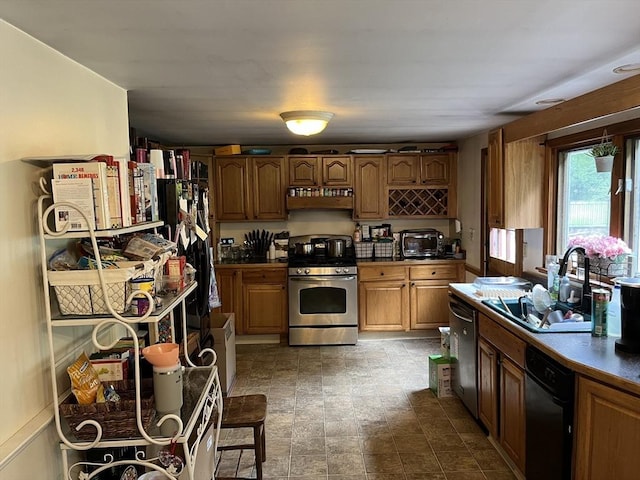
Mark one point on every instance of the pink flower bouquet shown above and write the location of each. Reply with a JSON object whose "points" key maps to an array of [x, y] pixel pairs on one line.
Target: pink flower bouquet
{"points": [[603, 246]]}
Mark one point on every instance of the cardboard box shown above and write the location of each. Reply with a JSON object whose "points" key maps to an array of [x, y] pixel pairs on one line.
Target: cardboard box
{"points": [[228, 150], [111, 369], [440, 376], [222, 327]]}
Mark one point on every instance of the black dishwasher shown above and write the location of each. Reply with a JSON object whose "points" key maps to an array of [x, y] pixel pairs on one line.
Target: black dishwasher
{"points": [[549, 417]]}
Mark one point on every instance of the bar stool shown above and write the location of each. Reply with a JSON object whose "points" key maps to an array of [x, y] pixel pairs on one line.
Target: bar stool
{"points": [[246, 411]]}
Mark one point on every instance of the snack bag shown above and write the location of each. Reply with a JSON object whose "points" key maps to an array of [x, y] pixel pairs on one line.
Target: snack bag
{"points": [[85, 383]]}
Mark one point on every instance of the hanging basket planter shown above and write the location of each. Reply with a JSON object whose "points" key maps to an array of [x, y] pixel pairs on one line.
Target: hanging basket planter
{"points": [[604, 153], [604, 164]]}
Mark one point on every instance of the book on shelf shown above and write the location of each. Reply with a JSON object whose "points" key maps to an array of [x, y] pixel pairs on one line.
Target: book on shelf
{"points": [[113, 188], [136, 193], [96, 171], [150, 186], [125, 200], [78, 191]]}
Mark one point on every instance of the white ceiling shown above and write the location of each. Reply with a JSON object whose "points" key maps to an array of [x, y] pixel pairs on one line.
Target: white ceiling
{"points": [[220, 71]]}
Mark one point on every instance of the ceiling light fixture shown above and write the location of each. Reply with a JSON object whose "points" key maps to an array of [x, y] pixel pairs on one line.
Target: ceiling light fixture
{"points": [[628, 68], [306, 122]]}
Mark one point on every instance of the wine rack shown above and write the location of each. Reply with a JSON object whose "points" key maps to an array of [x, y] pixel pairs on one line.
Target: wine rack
{"points": [[419, 202]]}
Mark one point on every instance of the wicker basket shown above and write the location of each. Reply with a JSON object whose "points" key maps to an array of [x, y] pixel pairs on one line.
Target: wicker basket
{"points": [[384, 249], [363, 249], [118, 419]]}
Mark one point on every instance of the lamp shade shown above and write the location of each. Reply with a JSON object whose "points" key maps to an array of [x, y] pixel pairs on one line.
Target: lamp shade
{"points": [[306, 122]]}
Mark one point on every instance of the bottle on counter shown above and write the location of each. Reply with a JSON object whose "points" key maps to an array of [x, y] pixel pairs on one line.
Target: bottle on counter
{"points": [[614, 327], [272, 251], [565, 289], [553, 281], [357, 234]]}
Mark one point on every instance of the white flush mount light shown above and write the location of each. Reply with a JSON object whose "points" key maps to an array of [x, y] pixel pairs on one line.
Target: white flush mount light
{"points": [[628, 68], [306, 122]]}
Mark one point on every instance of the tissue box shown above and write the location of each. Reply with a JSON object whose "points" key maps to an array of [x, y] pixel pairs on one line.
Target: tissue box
{"points": [[440, 376]]}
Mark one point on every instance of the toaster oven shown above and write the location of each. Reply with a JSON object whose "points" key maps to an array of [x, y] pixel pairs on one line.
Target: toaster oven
{"points": [[421, 243]]}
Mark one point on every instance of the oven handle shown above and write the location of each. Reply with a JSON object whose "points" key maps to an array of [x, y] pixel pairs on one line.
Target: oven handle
{"points": [[323, 279]]}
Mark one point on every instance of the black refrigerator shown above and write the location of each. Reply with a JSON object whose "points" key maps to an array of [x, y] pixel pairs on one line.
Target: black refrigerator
{"points": [[192, 193]]}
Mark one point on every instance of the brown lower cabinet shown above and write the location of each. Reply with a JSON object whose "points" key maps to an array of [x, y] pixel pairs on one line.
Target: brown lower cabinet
{"points": [[607, 432], [257, 296], [501, 384], [400, 297]]}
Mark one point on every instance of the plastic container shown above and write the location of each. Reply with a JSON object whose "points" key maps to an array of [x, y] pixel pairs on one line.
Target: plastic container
{"points": [[614, 328], [565, 289]]}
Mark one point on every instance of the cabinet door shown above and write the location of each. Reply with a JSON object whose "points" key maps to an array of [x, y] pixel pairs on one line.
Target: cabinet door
{"points": [[369, 188], [607, 433], [337, 171], [488, 386], [403, 169], [435, 169], [232, 202], [264, 308], [268, 182], [512, 412], [429, 304], [229, 282], [383, 306], [304, 171], [495, 180]]}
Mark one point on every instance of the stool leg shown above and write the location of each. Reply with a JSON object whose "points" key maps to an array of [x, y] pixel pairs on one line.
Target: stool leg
{"points": [[257, 442], [264, 444]]}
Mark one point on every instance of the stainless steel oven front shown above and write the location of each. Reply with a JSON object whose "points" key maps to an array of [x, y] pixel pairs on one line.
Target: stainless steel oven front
{"points": [[323, 306]]}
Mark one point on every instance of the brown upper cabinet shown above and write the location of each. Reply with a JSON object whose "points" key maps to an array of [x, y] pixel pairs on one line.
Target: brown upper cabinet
{"points": [[250, 188], [515, 182], [369, 187], [419, 169], [329, 171]]}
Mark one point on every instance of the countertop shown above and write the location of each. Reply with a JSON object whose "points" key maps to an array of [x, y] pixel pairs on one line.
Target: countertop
{"points": [[595, 357], [253, 262]]}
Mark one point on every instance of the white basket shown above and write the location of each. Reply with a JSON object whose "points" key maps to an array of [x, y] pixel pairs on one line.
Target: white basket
{"points": [[363, 249], [79, 291], [384, 249]]}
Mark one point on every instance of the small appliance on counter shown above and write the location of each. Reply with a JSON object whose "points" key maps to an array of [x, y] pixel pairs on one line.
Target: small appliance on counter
{"points": [[421, 243], [629, 314]]}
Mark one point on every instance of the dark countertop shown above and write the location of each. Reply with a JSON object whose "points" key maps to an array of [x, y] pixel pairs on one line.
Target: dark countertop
{"points": [[252, 262], [595, 357]]}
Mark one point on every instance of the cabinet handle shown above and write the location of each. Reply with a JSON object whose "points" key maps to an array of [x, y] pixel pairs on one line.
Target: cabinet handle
{"points": [[433, 273], [413, 284], [404, 285], [382, 274]]}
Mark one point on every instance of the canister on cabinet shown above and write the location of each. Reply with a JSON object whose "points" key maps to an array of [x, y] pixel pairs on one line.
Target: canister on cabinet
{"points": [[599, 306]]}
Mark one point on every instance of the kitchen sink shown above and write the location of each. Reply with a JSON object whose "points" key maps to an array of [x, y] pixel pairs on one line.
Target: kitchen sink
{"points": [[514, 315]]}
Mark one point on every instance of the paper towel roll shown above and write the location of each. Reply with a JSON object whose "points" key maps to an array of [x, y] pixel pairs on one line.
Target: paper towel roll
{"points": [[157, 160]]}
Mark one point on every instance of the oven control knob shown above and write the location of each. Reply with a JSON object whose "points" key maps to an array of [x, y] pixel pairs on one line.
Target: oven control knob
{"points": [[299, 271], [338, 270], [345, 270], [307, 271]]}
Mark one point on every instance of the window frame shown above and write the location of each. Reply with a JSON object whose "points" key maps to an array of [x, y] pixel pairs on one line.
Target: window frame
{"points": [[619, 132]]}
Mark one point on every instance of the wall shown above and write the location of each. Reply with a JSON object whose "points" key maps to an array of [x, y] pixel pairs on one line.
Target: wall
{"points": [[49, 105], [469, 189]]}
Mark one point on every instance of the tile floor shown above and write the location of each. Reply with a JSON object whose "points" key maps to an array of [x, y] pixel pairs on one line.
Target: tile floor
{"points": [[360, 412]]}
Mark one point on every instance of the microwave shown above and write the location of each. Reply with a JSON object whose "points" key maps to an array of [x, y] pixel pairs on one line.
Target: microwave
{"points": [[421, 243]]}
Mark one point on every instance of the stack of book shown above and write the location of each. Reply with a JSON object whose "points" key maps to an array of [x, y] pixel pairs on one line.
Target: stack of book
{"points": [[103, 192]]}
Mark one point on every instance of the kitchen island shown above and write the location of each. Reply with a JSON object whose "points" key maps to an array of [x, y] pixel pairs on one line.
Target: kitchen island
{"points": [[607, 401]]}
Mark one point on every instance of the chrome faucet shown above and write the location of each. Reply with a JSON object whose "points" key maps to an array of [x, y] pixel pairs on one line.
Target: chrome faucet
{"points": [[585, 303]]}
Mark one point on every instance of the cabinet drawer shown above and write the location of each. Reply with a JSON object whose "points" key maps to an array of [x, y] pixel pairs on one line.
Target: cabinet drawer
{"points": [[503, 340], [434, 272], [265, 276], [381, 273]]}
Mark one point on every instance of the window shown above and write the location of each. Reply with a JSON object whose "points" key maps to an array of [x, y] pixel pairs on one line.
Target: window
{"points": [[502, 244], [632, 200], [584, 205]]}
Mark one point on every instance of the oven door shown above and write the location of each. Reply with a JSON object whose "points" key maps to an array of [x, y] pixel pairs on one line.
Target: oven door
{"points": [[323, 301]]}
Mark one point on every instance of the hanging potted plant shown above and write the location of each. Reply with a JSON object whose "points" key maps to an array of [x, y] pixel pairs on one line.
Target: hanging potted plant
{"points": [[603, 154]]}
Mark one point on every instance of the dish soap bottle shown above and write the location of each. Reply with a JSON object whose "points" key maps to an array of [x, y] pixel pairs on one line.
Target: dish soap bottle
{"points": [[272, 251], [565, 289]]}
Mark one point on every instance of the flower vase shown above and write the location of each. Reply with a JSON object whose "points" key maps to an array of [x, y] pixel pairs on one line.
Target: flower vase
{"points": [[604, 164]]}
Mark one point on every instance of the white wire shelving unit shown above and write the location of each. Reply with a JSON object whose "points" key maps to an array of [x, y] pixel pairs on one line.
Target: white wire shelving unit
{"points": [[202, 392]]}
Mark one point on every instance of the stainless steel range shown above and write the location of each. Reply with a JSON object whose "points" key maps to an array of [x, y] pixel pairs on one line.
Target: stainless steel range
{"points": [[323, 290]]}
